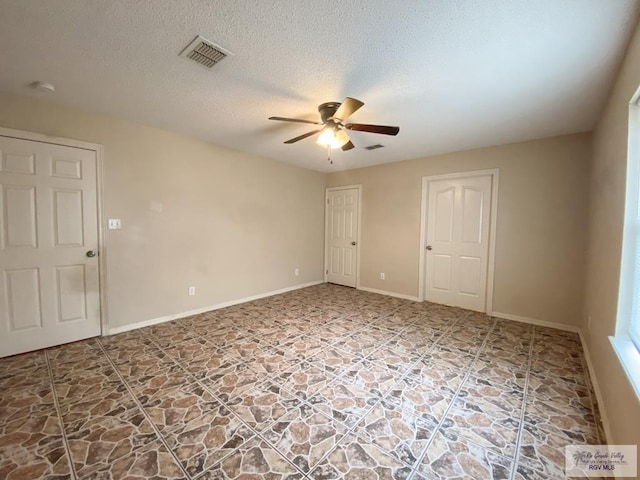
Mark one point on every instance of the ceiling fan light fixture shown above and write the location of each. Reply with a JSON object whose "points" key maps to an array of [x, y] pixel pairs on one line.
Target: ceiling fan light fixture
{"points": [[328, 138], [333, 137]]}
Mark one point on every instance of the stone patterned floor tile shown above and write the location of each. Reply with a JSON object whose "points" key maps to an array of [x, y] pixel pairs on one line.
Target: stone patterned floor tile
{"points": [[345, 402], [86, 385], [497, 370], [108, 431], [425, 396], [480, 422], [269, 364], [448, 357], [153, 373], [397, 359], [304, 436], [355, 458], [71, 355], [397, 432], [130, 348], [227, 339], [170, 408], [31, 443], [543, 451], [204, 441], [333, 360], [243, 348], [151, 461], [453, 457], [276, 335], [301, 348], [232, 380], [305, 380], [201, 360], [325, 381], [509, 337], [263, 405], [167, 335], [506, 396], [372, 376], [339, 328], [28, 370], [359, 344], [414, 341], [77, 404], [255, 460], [461, 344], [559, 390]]}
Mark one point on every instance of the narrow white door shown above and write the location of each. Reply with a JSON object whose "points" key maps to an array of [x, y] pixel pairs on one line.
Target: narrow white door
{"points": [[49, 290], [458, 220], [342, 236]]}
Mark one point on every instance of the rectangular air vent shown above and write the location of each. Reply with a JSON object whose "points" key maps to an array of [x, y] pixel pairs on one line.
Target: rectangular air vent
{"points": [[204, 52], [374, 147]]}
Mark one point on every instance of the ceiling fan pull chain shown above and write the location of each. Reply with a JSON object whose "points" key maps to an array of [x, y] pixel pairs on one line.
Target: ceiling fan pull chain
{"points": [[329, 155]]}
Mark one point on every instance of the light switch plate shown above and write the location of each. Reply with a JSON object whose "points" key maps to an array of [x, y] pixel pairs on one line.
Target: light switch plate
{"points": [[115, 224]]}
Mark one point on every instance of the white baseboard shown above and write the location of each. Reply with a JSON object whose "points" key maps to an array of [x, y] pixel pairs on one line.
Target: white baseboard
{"points": [[168, 318], [598, 392], [533, 321], [389, 294]]}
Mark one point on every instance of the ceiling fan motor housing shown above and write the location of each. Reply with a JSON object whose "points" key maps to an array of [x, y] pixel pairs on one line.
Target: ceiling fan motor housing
{"points": [[327, 110]]}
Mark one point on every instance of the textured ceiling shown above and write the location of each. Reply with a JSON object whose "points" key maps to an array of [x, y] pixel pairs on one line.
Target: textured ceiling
{"points": [[453, 75]]}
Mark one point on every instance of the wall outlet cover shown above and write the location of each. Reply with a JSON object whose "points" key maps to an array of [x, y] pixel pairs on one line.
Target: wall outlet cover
{"points": [[115, 224]]}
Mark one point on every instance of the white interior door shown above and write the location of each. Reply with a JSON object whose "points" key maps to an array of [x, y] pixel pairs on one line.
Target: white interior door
{"points": [[458, 222], [342, 236], [49, 286]]}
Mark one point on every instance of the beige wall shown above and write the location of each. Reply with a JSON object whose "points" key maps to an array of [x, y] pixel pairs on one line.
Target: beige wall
{"points": [[232, 225], [541, 229], [620, 404]]}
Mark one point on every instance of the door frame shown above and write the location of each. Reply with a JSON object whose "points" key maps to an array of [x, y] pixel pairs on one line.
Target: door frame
{"points": [[99, 152], [326, 229], [495, 174]]}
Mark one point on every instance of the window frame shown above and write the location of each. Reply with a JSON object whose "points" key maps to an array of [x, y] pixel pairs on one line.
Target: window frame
{"points": [[626, 341]]}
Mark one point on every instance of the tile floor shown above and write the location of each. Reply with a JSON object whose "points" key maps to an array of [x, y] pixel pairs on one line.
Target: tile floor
{"points": [[322, 383]]}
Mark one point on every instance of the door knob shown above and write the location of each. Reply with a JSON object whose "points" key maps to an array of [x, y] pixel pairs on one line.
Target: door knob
{"points": [[91, 254], [353, 243], [429, 247]]}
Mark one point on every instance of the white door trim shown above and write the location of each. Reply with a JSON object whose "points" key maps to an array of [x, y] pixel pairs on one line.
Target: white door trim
{"points": [[99, 151], [326, 229], [495, 174]]}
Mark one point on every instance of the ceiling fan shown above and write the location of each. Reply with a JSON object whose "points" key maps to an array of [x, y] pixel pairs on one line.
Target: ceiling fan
{"points": [[332, 132]]}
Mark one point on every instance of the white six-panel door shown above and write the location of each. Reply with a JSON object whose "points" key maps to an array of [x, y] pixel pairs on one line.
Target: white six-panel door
{"points": [[458, 221], [49, 287], [342, 236]]}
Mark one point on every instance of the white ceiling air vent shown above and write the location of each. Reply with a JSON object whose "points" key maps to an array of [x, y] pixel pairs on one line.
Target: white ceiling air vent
{"points": [[374, 147], [204, 52]]}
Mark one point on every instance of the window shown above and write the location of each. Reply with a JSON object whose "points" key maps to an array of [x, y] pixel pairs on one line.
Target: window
{"points": [[627, 339]]}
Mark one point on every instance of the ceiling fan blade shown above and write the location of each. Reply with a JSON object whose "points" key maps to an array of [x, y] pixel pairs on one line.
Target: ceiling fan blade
{"points": [[348, 146], [342, 137], [363, 127], [302, 137], [348, 107], [298, 120]]}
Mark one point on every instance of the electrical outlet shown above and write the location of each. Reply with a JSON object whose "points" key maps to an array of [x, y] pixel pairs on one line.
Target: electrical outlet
{"points": [[296, 272], [192, 290], [115, 224], [381, 276]]}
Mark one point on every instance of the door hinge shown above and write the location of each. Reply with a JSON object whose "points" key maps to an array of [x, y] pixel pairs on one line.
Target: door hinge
{"points": [[327, 272]]}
